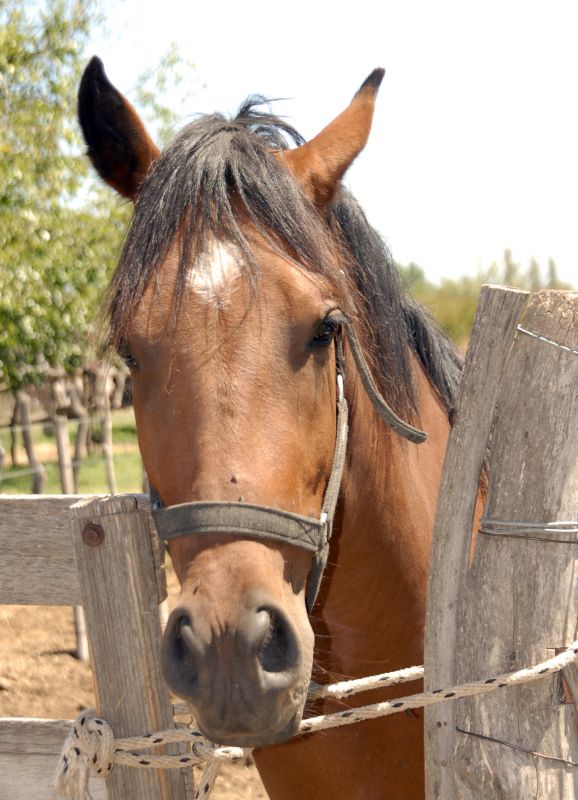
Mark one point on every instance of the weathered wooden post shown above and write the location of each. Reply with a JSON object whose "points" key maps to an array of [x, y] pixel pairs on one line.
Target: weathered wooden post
{"points": [[23, 403], [60, 425], [78, 411], [520, 603], [67, 482], [122, 585]]}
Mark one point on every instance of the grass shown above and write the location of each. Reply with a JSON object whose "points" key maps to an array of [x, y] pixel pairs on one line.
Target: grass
{"points": [[92, 473]]}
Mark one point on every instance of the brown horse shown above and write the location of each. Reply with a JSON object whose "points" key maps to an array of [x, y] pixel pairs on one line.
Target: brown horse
{"points": [[247, 279]]}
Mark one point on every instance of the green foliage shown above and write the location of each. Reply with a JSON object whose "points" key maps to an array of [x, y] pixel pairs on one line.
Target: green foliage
{"points": [[454, 301], [60, 230], [55, 255]]}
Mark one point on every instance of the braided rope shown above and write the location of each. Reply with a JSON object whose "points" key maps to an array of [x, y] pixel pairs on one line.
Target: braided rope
{"points": [[208, 780], [526, 675], [347, 688], [90, 745]]}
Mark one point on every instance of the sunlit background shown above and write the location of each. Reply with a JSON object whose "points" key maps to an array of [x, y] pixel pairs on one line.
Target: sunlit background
{"points": [[475, 142]]}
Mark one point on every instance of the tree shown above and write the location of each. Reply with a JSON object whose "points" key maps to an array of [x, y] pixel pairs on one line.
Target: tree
{"points": [[52, 259], [60, 231], [455, 300]]}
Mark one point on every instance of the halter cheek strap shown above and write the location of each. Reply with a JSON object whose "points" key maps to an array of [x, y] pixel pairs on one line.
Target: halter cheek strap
{"points": [[262, 522], [272, 524]]}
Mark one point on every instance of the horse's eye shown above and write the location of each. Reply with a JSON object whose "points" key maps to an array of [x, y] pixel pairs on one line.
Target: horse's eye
{"points": [[325, 334], [127, 357]]}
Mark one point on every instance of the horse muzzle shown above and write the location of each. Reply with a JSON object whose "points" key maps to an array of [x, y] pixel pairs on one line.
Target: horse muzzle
{"points": [[245, 680]]}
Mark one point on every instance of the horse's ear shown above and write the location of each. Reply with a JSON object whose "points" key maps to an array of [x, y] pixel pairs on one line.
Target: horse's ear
{"points": [[118, 144], [320, 164]]}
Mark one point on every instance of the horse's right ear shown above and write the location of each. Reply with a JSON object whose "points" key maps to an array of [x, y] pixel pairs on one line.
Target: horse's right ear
{"points": [[118, 144]]}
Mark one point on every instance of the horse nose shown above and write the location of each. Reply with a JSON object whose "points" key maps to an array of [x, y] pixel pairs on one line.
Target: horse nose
{"points": [[181, 654], [261, 649], [275, 644]]}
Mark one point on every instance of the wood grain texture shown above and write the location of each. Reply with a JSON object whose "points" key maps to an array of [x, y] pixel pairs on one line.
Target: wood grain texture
{"points": [[497, 316], [120, 599], [29, 750], [521, 599], [38, 564]]}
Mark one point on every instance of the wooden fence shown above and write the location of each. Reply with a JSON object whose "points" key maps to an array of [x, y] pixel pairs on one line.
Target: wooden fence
{"points": [[110, 565], [517, 603]]}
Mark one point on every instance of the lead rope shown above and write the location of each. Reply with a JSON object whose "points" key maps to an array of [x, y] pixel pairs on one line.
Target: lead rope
{"points": [[91, 747]]}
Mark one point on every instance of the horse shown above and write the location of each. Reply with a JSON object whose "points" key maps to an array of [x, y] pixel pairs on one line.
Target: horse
{"points": [[280, 381]]}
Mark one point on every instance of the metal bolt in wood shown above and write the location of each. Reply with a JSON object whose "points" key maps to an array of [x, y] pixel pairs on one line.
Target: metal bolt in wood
{"points": [[93, 534]]}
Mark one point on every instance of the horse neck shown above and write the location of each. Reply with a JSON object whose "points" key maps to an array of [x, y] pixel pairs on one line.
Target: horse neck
{"points": [[374, 599]]}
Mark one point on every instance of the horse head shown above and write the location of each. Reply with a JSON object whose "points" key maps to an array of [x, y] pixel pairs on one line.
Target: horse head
{"points": [[228, 305]]}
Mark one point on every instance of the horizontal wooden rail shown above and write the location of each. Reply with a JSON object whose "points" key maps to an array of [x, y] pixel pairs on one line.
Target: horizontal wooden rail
{"points": [[38, 565], [36, 744]]}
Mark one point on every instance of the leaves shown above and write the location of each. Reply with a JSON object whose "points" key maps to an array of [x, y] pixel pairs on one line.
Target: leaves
{"points": [[454, 301], [60, 230]]}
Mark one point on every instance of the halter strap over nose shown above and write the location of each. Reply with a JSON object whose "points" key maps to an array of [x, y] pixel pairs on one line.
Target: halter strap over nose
{"points": [[272, 524]]}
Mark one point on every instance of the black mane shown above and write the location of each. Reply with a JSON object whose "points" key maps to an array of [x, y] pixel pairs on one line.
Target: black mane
{"points": [[217, 167]]}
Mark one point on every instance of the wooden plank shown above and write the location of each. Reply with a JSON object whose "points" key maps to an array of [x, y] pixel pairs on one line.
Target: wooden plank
{"points": [[38, 580], [32, 779], [29, 735], [38, 564], [120, 599], [497, 316], [29, 750], [521, 600], [36, 524]]}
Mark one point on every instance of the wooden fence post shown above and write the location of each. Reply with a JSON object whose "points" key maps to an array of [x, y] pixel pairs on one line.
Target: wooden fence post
{"points": [[521, 600], [107, 447], [67, 485], [119, 576], [38, 475], [494, 328], [60, 423], [520, 603]]}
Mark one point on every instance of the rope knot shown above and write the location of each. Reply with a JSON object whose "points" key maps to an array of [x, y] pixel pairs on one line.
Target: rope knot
{"points": [[88, 748]]}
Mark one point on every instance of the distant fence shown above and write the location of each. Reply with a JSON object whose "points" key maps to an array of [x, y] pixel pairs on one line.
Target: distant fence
{"points": [[67, 463], [84, 398]]}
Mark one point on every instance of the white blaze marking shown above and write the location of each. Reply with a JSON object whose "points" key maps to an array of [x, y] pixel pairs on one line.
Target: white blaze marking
{"points": [[214, 271]]}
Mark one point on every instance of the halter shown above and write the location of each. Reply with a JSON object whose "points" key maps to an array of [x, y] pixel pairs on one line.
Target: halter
{"points": [[272, 524]]}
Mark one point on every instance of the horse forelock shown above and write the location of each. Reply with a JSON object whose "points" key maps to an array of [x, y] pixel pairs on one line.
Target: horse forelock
{"points": [[220, 174]]}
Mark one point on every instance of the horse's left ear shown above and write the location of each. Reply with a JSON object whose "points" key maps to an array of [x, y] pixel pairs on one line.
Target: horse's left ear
{"points": [[118, 145], [320, 164]]}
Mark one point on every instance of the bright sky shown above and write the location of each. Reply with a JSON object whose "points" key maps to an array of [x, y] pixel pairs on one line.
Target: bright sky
{"points": [[474, 146]]}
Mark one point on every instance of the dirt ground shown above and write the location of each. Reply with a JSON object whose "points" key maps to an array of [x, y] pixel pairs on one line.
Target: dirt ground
{"points": [[40, 677]]}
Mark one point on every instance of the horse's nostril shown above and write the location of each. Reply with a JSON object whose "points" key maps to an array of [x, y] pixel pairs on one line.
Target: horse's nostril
{"points": [[181, 657], [278, 651], [185, 639], [187, 646]]}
